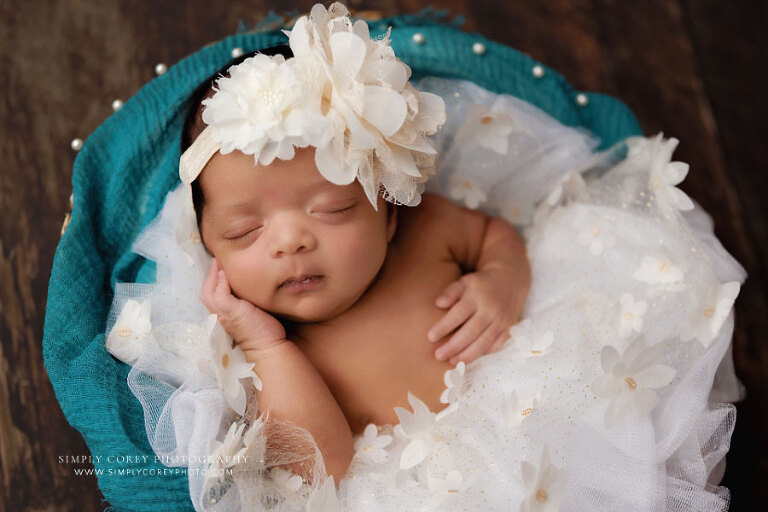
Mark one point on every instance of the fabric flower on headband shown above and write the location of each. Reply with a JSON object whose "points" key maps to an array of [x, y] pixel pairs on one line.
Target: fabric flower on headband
{"points": [[259, 111], [343, 93]]}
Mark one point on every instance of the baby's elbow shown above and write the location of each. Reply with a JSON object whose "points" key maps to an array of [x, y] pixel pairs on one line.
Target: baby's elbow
{"points": [[337, 464]]}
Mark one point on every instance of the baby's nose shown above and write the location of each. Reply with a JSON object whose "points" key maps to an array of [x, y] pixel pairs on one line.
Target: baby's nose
{"points": [[290, 236]]}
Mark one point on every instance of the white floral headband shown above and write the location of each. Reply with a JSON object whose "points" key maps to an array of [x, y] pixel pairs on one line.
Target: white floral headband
{"points": [[341, 92]]}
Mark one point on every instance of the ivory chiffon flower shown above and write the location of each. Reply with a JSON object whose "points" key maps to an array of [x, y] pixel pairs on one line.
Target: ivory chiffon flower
{"points": [[131, 332], [515, 411], [228, 452], [259, 109], [229, 366], [453, 380], [324, 498], [630, 380], [571, 186], [518, 212], [544, 485], [441, 487], [417, 427], [595, 233], [371, 445], [463, 189], [658, 269], [534, 348], [631, 316], [665, 174], [708, 311], [487, 129], [367, 104], [286, 482]]}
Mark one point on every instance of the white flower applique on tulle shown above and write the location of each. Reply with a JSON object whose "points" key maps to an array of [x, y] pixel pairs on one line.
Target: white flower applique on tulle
{"points": [[631, 316], [544, 485], [286, 482], [442, 487], [658, 269], [570, 187], [708, 310], [187, 233], [225, 454], [404, 479], [324, 498], [453, 381], [229, 366], [515, 411], [487, 129], [371, 445], [131, 332], [630, 380], [538, 347], [463, 189], [518, 212], [665, 174], [594, 233], [418, 427]]}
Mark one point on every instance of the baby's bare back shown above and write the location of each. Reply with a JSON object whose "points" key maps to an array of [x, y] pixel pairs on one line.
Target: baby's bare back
{"points": [[371, 355]]}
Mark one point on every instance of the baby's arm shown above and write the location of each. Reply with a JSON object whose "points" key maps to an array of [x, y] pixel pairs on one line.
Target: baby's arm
{"points": [[292, 388], [488, 299]]}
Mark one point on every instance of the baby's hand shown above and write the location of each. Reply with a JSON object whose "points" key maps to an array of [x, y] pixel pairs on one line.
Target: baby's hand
{"points": [[483, 306], [253, 329]]}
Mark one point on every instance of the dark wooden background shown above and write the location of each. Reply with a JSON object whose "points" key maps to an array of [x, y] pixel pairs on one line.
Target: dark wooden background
{"points": [[694, 69]]}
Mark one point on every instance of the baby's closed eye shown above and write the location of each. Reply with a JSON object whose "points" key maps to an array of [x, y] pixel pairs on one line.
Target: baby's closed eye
{"points": [[334, 208]]}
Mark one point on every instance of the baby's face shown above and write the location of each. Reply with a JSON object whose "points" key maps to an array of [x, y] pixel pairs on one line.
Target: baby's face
{"points": [[270, 227]]}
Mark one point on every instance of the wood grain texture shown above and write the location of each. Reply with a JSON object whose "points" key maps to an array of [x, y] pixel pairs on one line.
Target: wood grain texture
{"points": [[693, 69]]}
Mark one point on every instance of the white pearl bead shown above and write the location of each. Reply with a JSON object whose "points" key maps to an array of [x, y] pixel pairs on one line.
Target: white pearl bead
{"points": [[582, 99], [76, 144], [236, 52], [538, 71], [117, 105], [478, 48], [160, 69], [418, 38]]}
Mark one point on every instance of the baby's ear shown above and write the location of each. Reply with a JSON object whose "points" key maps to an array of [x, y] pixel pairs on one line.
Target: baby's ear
{"points": [[391, 220]]}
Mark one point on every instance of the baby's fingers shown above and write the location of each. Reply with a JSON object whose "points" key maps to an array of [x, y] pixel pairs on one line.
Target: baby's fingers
{"points": [[483, 345], [455, 316], [451, 294], [209, 285], [222, 295], [468, 333], [501, 340]]}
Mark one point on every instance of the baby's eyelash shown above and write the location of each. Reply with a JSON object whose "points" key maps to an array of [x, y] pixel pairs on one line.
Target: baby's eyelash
{"points": [[243, 236], [339, 210]]}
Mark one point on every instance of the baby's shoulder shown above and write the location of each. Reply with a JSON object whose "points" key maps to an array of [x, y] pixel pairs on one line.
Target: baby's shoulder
{"points": [[438, 221], [432, 215]]}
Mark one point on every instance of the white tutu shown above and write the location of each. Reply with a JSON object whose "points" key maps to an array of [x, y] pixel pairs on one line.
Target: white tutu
{"points": [[612, 393]]}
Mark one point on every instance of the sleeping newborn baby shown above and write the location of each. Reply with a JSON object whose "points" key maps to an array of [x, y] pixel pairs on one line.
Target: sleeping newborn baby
{"points": [[315, 311], [338, 304]]}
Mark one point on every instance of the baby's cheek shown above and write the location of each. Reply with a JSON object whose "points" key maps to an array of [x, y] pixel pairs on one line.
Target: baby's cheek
{"points": [[248, 280], [365, 254]]}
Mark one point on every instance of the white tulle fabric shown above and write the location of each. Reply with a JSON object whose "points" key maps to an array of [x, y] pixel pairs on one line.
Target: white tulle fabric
{"points": [[613, 392]]}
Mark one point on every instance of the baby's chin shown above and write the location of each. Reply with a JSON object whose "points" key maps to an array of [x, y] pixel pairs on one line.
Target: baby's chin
{"points": [[313, 309], [309, 312]]}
